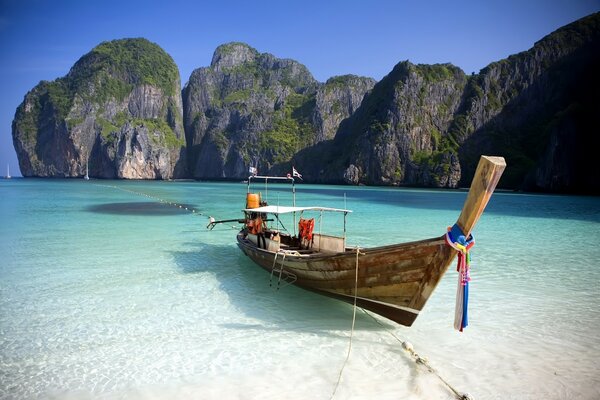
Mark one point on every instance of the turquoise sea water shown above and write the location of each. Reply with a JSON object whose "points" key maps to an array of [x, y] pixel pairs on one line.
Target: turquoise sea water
{"points": [[106, 293]]}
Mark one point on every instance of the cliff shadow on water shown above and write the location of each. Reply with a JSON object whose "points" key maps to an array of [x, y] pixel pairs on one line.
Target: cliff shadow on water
{"points": [[140, 208]]}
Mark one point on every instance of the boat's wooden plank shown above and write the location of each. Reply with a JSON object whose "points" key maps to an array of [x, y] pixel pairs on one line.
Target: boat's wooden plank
{"points": [[398, 300], [430, 281], [370, 268], [484, 182], [346, 279], [397, 289], [400, 289]]}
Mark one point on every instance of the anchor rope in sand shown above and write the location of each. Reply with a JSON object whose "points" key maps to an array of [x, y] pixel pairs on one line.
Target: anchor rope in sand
{"points": [[422, 360], [405, 345], [352, 329], [192, 210]]}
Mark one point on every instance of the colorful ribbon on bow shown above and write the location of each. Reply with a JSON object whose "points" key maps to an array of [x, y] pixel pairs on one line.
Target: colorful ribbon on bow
{"points": [[456, 239]]}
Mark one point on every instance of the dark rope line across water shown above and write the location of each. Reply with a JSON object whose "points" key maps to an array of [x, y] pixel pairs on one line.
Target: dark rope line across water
{"points": [[192, 210]]}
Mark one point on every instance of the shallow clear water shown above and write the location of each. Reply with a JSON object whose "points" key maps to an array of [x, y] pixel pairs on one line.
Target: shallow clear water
{"points": [[106, 292]]}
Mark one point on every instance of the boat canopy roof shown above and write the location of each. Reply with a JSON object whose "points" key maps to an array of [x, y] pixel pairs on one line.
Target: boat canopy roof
{"points": [[287, 210]]}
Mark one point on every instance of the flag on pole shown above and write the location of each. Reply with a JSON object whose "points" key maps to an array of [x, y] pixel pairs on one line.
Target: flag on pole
{"points": [[296, 173], [253, 170]]}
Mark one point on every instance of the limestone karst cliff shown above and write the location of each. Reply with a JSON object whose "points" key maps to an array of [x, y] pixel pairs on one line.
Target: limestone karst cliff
{"points": [[118, 111], [539, 108], [427, 125], [396, 136], [253, 109]]}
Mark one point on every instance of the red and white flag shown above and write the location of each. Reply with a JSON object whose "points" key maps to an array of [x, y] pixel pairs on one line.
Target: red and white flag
{"points": [[296, 173]]}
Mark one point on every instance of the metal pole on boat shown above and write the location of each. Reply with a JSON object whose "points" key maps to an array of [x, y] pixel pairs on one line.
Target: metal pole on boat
{"points": [[293, 192], [294, 201], [320, 228], [345, 213]]}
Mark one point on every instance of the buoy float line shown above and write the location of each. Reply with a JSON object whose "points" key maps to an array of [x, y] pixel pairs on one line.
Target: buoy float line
{"points": [[192, 210]]}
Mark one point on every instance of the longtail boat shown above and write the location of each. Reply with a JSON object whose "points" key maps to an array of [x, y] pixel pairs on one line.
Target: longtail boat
{"points": [[394, 281]]}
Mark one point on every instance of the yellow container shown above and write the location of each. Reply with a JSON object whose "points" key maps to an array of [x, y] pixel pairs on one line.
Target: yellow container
{"points": [[253, 200]]}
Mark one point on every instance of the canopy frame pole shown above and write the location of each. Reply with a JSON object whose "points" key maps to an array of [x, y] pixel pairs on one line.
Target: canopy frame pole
{"points": [[345, 213], [294, 202]]}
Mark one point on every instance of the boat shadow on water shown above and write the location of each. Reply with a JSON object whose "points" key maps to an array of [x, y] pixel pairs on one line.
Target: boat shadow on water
{"points": [[294, 312], [252, 291]]}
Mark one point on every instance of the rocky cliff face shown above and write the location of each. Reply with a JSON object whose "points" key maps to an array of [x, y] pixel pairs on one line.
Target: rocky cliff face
{"points": [[246, 109], [253, 109], [118, 110], [428, 124], [536, 108], [396, 135], [337, 100]]}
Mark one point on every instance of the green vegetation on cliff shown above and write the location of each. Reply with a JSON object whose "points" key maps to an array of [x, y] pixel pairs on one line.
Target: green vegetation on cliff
{"points": [[536, 105], [437, 72], [291, 131], [129, 62], [252, 107], [58, 125], [160, 131], [110, 71]]}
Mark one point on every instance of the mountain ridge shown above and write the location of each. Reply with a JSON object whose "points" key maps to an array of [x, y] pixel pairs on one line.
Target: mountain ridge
{"points": [[420, 125]]}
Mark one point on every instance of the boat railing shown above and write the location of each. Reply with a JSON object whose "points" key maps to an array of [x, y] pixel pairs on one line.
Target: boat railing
{"points": [[328, 243], [266, 179]]}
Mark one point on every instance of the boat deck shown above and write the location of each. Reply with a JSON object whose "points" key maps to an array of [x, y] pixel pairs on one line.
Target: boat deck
{"points": [[277, 242]]}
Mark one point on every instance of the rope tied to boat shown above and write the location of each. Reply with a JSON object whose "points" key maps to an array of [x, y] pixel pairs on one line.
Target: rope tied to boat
{"points": [[456, 239], [353, 321], [408, 347]]}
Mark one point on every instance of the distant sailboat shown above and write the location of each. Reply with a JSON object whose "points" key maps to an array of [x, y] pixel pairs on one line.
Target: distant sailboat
{"points": [[87, 176], [7, 171]]}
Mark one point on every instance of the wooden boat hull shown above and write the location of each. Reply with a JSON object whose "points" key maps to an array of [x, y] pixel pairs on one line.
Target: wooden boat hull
{"points": [[393, 281]]}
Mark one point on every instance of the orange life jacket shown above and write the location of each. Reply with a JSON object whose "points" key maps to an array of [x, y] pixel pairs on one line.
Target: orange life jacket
{"points": [[305, 228], [258, 225], [255, 226]]}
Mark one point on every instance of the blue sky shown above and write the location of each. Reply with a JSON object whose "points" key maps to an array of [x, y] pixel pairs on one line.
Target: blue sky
{"points": [[42, 39]]}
